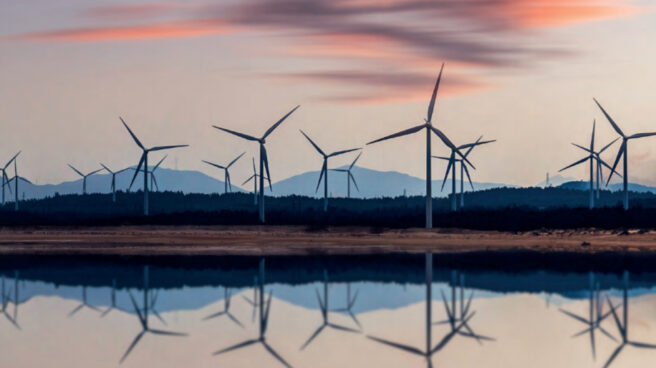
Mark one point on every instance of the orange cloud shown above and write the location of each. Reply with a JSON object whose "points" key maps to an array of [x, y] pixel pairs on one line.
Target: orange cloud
{"points": [[161, 30], [557, 13]]}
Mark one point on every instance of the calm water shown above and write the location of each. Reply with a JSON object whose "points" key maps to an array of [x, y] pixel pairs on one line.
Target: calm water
{"points": [[403, 311]]}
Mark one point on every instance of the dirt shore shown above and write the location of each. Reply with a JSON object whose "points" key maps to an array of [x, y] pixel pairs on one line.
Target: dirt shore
{"points": [[289, 240]]}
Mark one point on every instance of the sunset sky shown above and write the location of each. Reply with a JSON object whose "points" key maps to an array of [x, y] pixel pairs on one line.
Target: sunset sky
{"points": [[523, 72]]}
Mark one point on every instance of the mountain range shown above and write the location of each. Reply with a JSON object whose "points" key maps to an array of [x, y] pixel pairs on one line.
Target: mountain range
{"points": [[370, 184]]}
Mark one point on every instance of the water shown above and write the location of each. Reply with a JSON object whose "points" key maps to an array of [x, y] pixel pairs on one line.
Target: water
{"points": [[378, 311]]}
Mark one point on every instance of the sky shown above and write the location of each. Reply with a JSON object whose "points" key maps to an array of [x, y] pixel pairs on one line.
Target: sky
{"points": [[523, 72]]}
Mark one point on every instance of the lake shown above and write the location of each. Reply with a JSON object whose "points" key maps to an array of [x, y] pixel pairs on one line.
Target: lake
{"points": [[321, 311]]}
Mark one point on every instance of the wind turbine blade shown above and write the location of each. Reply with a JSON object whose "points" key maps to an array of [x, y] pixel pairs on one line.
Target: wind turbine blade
{"points": [[468, 177], [213, 164], [594, 125], [450, 144], [106, 168], [323, 168], [235, 160], [312, 142], [602, 162], [313, 336], [340, 170], [249, 179], [266, 166], [613, 356], [354, 161], [136, 140], [354, 182], [446, 173], [431, 106], [574, 164], [343, 152], [254, 169], [76, 170], [136, 172], [155, 181], [608, 145], [583, 148], [12, 159], [610, 120], [576, 317], [235, 347], [407, 348], [168, 333], [120, 171], [25, 180], [342, 328], [94, 172], [640, 135], [442, 158], [275, 354], [167, 147], [642, 345], [159, 163], [241, 135], [132, 345], [617, 160], [399, 134], [274, 126]]}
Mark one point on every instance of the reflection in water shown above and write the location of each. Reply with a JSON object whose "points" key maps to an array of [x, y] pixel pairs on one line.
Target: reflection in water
{"points": [[595, 315], [148, 304], [323, 306], [429, 349], [623, 326], [112, 305], [350, 303], [83, 304], [6, 298], [226, 309], [264, 308], [368, 308], [459, 305]]}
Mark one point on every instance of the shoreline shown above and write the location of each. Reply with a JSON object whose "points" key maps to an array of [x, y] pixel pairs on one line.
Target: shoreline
{"points": [[300, 240]]}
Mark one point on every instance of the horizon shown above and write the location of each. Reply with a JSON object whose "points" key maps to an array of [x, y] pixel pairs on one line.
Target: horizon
{"points": [[522, 73]]}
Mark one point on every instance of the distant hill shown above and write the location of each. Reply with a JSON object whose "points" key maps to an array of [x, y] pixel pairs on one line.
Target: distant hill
{"points": [[555, 181], [585, 185], [372, 184], [186, 181]]}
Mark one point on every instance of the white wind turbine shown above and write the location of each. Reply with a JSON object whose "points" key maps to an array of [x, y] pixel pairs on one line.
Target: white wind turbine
{"points": [[113, 184], [144, 161], [622, 152], [264, 161], [428, 127], [254, 178], [453, 161], [153, 178], [226, 181], [599, 176], [5, 177], [349, 176], [324, 168], [84, 177]]}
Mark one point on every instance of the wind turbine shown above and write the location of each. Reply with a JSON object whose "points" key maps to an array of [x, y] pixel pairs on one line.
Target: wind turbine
{"points": [[142, 313], [622, 152], [226, 181], [324, 168], [113, 305], [15, 179], [623, 326], [264, 161], [428, 126], [265, 308], [595, 316], [349, 176], [226, 309], [5, 298], [350, 303], [254, 178], [153, 179], [453, 161], [599, 176], [323, 305], [83, 304], [5, 178], [144, 161], [429, 349], [113, 184], [84, 177]]}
